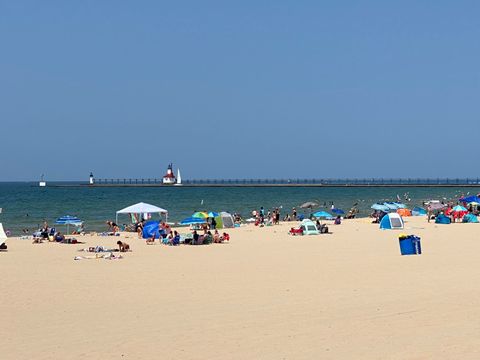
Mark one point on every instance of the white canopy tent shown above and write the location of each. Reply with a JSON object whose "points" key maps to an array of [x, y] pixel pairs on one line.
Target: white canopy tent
{"points": [[142, 208], [3, 236]]}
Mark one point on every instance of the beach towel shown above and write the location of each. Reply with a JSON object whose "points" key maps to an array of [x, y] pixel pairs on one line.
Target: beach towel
{"points": [[70, 241], [105, 256], [98, 249]]}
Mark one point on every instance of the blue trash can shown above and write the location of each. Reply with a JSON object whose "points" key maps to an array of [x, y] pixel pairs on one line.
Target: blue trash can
{"points": [[410, 245]]}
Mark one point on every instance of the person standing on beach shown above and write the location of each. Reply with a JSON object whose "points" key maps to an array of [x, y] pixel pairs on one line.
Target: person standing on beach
{"points": [[294, 214]]}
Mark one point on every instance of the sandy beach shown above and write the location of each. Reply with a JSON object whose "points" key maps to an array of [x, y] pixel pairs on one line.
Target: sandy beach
{"points": [[264, 295]]}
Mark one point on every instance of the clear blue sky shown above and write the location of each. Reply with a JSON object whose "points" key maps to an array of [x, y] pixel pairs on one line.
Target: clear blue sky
{"points": [[239, 88]]}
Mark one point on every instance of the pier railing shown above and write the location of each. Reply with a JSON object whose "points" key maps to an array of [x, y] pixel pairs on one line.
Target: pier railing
{"points": [[299, 182]]}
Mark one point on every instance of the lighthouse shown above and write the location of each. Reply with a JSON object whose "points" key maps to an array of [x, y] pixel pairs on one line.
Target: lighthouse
{"points": [[91, 179], [169, 178]]}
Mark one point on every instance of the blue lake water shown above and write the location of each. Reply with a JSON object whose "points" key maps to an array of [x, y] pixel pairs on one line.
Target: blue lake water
{"points": [[26, 205]]}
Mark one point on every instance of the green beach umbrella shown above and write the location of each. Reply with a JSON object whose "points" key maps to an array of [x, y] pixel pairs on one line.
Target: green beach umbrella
{"points": [[200, 214]]}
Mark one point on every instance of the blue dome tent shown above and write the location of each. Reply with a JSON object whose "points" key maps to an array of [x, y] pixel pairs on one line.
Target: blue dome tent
{"points": [[470, 218], [442, 219], [418, 211], [391, 221]]}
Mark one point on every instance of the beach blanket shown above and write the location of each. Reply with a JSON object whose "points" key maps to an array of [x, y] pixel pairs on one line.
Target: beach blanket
{"points": [[98, 249], [105, 256], [70, 241]]}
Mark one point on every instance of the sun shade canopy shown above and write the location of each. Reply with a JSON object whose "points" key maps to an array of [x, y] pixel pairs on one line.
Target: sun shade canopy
{"points": [[142, 208]]}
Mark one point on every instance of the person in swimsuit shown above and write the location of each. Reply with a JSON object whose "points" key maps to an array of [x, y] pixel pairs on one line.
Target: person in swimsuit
{"points": [[123, 246]]}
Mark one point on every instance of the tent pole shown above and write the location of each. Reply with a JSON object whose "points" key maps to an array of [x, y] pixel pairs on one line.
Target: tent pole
{"points": [[116, 218]]}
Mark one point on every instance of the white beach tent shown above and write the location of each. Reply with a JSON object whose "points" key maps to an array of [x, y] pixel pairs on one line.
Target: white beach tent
{"points": [[3, 236], [142, 208], [227, 220]]}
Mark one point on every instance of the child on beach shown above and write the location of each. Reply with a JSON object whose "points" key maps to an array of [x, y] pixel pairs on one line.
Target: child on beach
{"points": [[123, 246]]}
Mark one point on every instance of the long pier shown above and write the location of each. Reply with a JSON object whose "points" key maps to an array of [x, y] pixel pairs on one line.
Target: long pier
{"points": [[372, 182]]}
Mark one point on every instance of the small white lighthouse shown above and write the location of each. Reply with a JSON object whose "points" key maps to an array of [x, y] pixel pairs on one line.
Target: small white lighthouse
{"points": [[42, 182], [91, 179]]}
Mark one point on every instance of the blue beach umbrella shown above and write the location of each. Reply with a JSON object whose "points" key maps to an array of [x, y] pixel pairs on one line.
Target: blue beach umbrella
{"points": [[391, 205], [320, 214], [469, 199], [380, 207], [458, 208], [68, 220], [338, 211], [213, 214], [192, 221]]}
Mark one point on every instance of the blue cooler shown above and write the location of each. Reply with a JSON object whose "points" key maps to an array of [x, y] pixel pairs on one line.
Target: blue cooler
{"points": [[410, 245]]}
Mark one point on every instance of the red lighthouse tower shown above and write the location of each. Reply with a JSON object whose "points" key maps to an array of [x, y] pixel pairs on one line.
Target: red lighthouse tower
{"points": [[169, 178]]}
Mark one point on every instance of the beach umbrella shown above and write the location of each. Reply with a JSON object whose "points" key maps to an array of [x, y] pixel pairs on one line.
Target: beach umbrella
{"points": [[390, 205], [193, 220], [436, 206], [400, 205], [320, 214], [379, 207], [68, 220], [338, 211], [308, 205], [213, 214], [474, 203], [200, 214], [469, 199], [458, 208]]}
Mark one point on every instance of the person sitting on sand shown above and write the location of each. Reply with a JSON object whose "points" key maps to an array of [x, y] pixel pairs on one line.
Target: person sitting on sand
{"points": [[110, 225], [150, 240], [44, 231], [37, 240], [216, 237], [225, 237], [123, 246], [338, 220], [195, 237], [176, 238], [169, 239], [59, 237], [79, 231], [208, 238], [139, 228]]}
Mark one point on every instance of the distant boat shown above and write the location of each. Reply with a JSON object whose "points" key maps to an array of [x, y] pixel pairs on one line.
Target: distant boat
{"points": [[179, 178], [42, 182]]}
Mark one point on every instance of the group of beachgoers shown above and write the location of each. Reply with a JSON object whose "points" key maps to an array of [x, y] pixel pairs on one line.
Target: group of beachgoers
{"points": [[47, 233], [454, 211], [267, 218], [262, 217], [450, 212], [167, 236]]}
